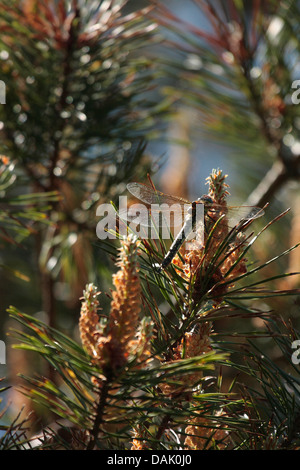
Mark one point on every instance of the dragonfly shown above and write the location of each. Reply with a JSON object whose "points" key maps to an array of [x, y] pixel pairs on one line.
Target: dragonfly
{"points": [[184, 214]]}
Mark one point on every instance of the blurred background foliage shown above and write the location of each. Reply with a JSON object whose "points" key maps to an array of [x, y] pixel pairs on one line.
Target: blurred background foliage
{"points": [[102, 93]]}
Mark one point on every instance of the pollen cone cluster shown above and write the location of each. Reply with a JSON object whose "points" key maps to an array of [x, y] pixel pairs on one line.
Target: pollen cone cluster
{"points": [[110, 344], [139, 442], [217, 187], [89, 320], [204, 433], [193, 344], [211, 264]]}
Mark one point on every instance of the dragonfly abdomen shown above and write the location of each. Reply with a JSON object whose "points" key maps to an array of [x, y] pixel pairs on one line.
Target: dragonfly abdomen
{"points": [[188, 227]]}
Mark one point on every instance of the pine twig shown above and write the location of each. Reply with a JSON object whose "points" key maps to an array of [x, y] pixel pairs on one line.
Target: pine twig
{"points": [[103, 393]]}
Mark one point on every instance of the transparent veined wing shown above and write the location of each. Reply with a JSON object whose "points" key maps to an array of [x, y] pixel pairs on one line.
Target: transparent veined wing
{"points": [[161, 209], [231, 220], [158, 217], [235, 214], [152, 196]]}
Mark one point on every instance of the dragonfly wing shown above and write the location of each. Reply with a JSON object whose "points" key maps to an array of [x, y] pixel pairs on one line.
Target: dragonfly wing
{"points": [[255, 213], [236, 217], [169, 210], [243, 213], [160, 217], [235, 214], [152, 196], [134, 217]]}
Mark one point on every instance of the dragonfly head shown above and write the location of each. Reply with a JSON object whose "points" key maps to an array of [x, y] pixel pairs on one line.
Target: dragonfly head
{"points": [[205, 199]]}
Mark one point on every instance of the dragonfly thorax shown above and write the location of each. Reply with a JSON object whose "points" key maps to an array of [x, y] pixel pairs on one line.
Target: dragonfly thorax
{"points": [[201, 200]]}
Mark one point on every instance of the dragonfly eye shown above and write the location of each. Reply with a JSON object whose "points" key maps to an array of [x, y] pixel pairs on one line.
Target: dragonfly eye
{"points": [[205, 199]]}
